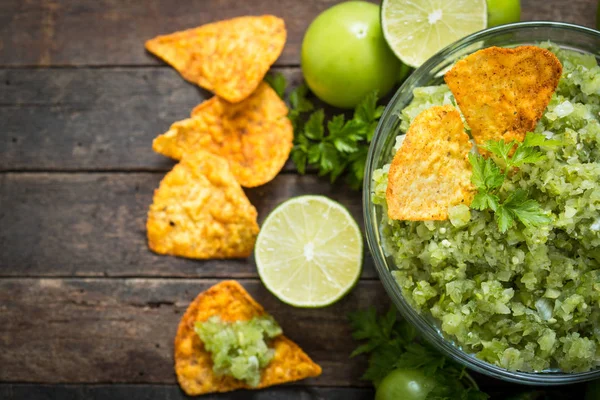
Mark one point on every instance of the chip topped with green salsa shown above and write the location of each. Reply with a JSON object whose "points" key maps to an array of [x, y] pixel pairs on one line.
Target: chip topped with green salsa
{"points": [[239, 348], [523, 296], [227, 341]]}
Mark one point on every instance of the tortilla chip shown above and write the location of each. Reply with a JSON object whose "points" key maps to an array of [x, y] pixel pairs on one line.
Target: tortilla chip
{"points": [[255, 136], [503, 92], [228, 57], [200, 211], [431, 171], [193, 364]]}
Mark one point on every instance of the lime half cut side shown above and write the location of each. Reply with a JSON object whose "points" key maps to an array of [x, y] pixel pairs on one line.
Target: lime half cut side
{"points": [[309, 251], [416, 29]]}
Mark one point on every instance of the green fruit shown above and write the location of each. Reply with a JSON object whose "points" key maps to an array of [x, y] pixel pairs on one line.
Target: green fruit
{"points": [[502, 12], [405, 384], [416, 30], [345, 57], [309, 251]]}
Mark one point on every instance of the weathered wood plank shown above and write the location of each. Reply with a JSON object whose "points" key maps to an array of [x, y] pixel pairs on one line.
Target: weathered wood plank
{"points": [[94, 224], [171, 392], [93, 119], [112, 32], [580, 12], [122, 330]]}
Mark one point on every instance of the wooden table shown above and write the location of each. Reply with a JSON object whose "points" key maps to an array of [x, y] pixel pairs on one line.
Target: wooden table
{"points": [[86, 310]]}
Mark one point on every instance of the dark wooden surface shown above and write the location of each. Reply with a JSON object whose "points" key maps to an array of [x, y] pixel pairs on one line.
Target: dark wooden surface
{"points": [[83, 303]]}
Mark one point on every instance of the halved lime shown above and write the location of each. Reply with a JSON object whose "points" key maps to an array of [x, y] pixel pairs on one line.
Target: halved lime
{"points": [[309, 251], [415, 29]]}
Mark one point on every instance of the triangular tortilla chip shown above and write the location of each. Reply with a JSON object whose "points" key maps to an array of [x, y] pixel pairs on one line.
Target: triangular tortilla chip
{"points": [[228, 57], [193, 364], [503, 92], [255, 135], [200, 211], [431, 171]]}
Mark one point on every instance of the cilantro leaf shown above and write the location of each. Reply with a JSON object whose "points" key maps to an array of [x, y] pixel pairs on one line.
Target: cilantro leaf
{"points": [[538, 139], [500, 148], [340, 148], [298, 100], [300, 158], [488, 178], [526, 155], [483, 201], [529, 212], [504, 218], [486, 174], [392, 343], [382, 361], [313, 129], [478, 168], [278, 82], [367, 110]]}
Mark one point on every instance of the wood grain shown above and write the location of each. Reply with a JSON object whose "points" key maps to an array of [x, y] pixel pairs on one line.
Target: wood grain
{"points": [[172, 392], [94, 224], [93, 119], [580, 12], [122, 330], [73, 32]]}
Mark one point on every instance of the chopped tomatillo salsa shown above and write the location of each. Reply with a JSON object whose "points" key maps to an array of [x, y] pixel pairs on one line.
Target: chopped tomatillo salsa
{"points": [[239, 348], [522, 296]]}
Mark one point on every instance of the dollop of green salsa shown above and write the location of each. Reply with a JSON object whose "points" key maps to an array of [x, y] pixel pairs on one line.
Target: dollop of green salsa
{"points": [[527, 299], [239, 348]]}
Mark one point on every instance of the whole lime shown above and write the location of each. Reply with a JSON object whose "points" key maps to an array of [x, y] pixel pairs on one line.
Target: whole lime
{"points": [[345, 57], [405, 384], [502, 12]]}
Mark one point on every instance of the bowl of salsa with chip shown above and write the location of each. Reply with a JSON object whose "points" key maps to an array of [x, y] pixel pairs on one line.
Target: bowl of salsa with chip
{"points": [[482, 202]]}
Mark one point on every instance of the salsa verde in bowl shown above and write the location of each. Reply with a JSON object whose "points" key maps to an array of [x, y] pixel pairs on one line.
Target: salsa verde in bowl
{"points": [[521, 305]]}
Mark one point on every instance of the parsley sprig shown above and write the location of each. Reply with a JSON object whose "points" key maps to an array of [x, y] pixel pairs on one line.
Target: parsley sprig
{"points": [[335, 147], [393, 343], [489, 175]]}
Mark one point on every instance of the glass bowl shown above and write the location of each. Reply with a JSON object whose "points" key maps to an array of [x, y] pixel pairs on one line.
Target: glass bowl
{"points": [[431, 73]]}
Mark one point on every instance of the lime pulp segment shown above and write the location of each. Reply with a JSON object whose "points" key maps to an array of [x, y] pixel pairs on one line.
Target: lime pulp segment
{"points": [[417, 29], [309, 251]]}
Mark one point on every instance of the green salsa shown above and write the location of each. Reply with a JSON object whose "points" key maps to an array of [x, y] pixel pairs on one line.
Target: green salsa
{"points": [[527, 299], [239, 348]]}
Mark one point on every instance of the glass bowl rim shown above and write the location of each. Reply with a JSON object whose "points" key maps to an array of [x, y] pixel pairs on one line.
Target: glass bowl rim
{"points": [[392, 289]]}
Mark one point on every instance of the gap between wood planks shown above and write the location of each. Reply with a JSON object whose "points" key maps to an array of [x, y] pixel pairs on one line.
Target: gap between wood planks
{"points": [[119, 66], [145, 277]]}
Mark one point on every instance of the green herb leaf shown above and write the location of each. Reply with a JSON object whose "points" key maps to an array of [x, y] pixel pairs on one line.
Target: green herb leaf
{"points": [[298, 100], [500, 148], [313, 129], [538, 139], [484, 200], [529, 212], [300, 158], [278, 82], [367, 110], [504, 218], [526, 155], [486, 174], [488, 178], [342, 147], [392, 343]]}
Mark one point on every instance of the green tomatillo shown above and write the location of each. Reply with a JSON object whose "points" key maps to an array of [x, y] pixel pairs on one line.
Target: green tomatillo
{"points": [[345, 56]]}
